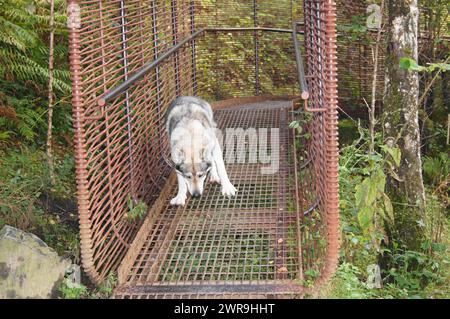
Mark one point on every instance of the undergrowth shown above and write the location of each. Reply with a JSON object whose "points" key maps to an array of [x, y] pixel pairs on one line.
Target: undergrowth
{"points": [[79, 291], [403, 273], [28, 202]]}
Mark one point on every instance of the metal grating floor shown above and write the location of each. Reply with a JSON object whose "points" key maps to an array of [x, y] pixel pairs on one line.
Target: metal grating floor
{"points": [[215, 246]]}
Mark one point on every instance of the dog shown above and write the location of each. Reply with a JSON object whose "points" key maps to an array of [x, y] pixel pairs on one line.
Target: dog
{"points": [[195, 149]]}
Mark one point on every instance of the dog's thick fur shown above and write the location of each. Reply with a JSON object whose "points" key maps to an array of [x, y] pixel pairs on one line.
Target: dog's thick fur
{"points": [[195, 149]]}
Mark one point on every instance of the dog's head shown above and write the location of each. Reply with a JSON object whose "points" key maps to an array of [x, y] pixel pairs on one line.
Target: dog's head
{"points": [[193, 162]]}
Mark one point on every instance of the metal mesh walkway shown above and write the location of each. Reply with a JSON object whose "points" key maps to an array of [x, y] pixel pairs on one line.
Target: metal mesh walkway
{"points": [[129, 60], [214, 243]]}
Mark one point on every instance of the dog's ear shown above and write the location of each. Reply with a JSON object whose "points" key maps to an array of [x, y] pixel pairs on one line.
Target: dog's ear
{"points": [[203, 153], [206, 151], [178, 155]]}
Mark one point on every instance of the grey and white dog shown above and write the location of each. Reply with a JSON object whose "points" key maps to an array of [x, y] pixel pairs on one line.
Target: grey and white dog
{"points": [[195, 149]]}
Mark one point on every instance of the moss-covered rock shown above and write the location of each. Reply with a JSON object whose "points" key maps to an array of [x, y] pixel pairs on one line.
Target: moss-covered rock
{"points": [[28, 267]]}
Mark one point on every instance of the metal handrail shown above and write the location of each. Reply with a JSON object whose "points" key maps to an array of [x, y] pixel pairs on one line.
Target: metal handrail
{"points": [[301, 72], [116, 91], [145, 70], [299, 61]]}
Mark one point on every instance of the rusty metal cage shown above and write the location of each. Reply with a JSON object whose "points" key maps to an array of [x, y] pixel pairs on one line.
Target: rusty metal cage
{"points": [[129, 60]]}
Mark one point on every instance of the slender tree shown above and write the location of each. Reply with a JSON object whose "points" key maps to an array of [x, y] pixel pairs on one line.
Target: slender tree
{"points": [[50, 93], [401, 105], [376, 56]]}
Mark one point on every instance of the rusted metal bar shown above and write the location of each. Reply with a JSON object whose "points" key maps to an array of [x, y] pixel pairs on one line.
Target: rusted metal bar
{"points": [[173, 5], [298, 208], [157, 70], [123, 31], [282, 223], [155, 55], [196, 288], [193, 48], [83, 193], [256, 42], [244, 29], [146, 69]]}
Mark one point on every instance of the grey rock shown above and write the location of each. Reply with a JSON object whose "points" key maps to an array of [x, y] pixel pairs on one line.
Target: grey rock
{"points": [[73, 276], [28, 267], [374, 276]]}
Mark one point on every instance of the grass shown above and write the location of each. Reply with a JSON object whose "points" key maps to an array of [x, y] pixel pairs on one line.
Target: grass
{"points": [[70, 291], [28, 202]]}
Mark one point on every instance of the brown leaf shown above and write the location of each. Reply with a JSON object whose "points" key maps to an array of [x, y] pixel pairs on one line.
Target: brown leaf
{"points": [[282, 269]]}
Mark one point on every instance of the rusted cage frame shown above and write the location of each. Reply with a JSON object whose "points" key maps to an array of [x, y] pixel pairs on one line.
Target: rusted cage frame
{"points": [[331, 199], [124, 86]]}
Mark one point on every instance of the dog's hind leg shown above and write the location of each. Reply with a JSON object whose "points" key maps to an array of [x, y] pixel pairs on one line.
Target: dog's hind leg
{"points": [[180, 199], [227, 188]]}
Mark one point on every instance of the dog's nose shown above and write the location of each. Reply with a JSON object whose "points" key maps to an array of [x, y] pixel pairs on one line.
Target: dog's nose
{"points": [[196, 194]]}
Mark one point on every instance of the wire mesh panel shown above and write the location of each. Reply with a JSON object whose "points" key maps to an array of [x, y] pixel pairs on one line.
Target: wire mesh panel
{"points": [[245, 63], [281, 229], [119, 145]]}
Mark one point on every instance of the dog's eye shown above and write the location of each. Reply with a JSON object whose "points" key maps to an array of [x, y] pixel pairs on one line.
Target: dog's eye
{"points": [[200, 174], [188, 176]]}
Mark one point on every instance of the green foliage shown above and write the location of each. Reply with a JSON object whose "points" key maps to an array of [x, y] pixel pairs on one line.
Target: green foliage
{"points": [[23, 53], [24, 74], [136, 209], [24, 182], [347, 284], [302, 135], [409, 64], [364, 175], [20, 118], [366, 209], [415, 275], [68, 291], [436, 169], [348, 132], [410, 272], [106, 288], [356, 30]]}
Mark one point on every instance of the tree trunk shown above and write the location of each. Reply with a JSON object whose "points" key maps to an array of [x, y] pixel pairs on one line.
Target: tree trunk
{"points": [[50, 94], [402, 124], [376, 55]]}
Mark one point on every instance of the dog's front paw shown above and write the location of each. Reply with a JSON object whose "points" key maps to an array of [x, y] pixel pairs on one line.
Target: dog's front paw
{"points": [[180, 200], [228, 190]]}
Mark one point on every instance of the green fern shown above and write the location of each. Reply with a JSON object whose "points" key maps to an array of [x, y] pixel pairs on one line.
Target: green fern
{"points": [[24, 74], [436, 169], [23, 52], [26, 120]]}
